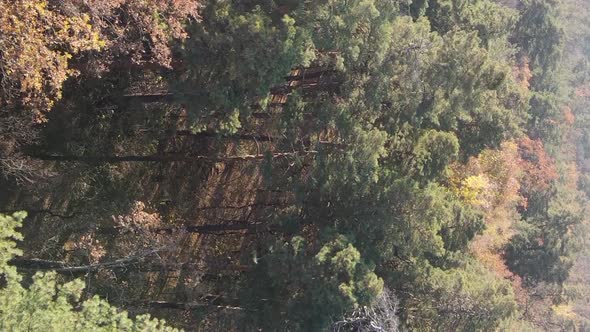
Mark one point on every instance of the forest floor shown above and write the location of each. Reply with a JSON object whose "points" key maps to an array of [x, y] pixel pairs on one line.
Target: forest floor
{"points": [[66, 210]]}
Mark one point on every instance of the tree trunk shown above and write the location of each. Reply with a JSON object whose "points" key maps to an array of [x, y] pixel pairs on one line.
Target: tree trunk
{"points": [[245, 206], [214, 272], [310, 73], [121, 102], [40, 211], [233, 227], [218, 228], [63, 268], [208, 134], [216, 302], [246, 137], [267, 115], [163, 97], [170, 157]]}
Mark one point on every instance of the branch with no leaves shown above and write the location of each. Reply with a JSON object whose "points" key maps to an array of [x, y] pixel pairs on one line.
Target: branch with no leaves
{"points": [[380, 317]]}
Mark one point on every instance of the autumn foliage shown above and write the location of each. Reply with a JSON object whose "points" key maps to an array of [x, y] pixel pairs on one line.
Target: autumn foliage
{"points": [[36, 44], [135, 32], [538, 167]]}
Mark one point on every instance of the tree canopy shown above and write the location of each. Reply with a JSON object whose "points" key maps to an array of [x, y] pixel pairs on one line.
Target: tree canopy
{"points": [[357, 165]]}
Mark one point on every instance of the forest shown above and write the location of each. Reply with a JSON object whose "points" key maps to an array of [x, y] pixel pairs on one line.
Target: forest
{"points": [[291, 165]]}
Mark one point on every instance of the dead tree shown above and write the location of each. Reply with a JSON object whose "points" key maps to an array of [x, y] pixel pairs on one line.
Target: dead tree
{"points": [[380, 317]]}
